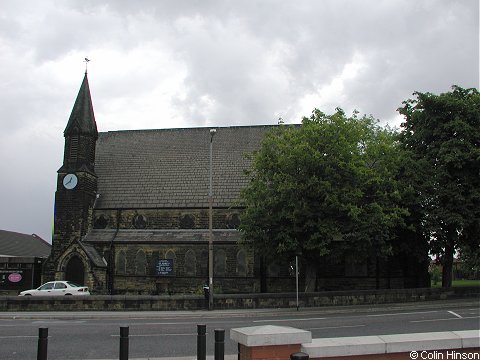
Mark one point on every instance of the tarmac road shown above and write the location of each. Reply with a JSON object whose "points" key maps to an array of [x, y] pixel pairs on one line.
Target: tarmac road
{"points": [[95, 335]]}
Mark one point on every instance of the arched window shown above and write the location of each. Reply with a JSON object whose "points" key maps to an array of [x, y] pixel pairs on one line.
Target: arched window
{"points": [[170, 254], [233, 221], [140, 221], [241, 263], [101, 222], [220, 263], [187, 221], [204, 263], [140, 263], [190, 263], [273, 269], [121, 263]]}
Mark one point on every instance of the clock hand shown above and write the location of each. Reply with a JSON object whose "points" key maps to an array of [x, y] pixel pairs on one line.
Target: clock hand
{"points": [[69, 181]]}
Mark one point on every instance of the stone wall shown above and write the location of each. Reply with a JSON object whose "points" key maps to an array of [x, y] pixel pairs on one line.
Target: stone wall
{"points": [[238, 301]]}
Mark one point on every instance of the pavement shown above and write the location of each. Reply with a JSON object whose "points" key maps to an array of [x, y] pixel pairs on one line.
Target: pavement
{"points": [[226, 357]]}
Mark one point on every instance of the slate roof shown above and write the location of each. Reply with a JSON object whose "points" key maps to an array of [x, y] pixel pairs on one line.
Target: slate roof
{"points": [[163, 236], [170, 168], [82, 118], [93, 255], [17, 244]]}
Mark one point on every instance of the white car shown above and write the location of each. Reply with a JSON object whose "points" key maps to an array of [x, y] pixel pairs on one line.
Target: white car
{"points": [[57, 288]]}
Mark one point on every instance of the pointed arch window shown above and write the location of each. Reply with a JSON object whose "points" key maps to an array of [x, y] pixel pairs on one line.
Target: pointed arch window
{"points": [[204, 263], [121, 263], [220, 261], [140, 263], [170, 254], [241, 263], [190, 263]]}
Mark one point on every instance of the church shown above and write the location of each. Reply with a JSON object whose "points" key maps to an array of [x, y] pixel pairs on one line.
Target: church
{"points": [[132, 215]]}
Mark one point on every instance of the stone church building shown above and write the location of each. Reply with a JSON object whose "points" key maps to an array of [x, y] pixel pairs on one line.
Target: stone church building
{"points": [[132, 215]]}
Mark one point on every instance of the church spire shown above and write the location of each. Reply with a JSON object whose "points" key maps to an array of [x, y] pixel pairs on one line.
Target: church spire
{"points": [[82, 118], [81, 133]]}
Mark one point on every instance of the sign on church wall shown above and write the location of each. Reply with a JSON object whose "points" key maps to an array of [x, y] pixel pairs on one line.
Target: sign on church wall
{"points": [[164, 267]]}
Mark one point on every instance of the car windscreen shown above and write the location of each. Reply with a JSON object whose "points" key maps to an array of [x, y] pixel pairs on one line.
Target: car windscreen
{"points": [[72, 284]]}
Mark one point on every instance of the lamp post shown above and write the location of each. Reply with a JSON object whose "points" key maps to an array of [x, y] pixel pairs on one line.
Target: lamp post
{"points": [[296, 277], [210, 224]]}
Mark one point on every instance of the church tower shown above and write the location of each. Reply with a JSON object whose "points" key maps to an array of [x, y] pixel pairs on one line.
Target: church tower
{"points": [[76, 181]]}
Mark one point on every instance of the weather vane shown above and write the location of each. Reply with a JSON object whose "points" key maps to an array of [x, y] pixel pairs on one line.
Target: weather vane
{"points": [[86, 61]]}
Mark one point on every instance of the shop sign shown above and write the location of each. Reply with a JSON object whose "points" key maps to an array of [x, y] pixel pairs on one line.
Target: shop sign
{"points": [[14, 277]]}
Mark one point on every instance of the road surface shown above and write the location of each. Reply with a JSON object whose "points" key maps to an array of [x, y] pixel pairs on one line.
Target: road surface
{"points": [[95, 335]]}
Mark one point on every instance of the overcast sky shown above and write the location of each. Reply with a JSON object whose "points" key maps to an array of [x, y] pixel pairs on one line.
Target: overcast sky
{"points": [[169, 64]]}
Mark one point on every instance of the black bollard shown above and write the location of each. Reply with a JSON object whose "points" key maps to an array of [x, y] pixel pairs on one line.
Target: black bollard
{"points": [[219, 344], [42, 344], [299, 356], [124, 343], [201, 342]]}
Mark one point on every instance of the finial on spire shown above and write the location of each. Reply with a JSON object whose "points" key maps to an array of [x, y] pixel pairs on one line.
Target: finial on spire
{"points": [[86, 61]]}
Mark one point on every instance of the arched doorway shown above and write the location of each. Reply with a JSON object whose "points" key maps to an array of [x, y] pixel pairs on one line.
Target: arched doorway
{"points": [[75, 271]]}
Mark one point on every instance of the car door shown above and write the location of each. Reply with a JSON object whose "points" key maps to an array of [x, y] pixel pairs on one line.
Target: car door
{"points": [[45, 289], [59, 289]]}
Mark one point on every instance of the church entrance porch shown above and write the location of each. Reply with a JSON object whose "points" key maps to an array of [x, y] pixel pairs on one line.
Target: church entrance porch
{"points": [[75, 271]]}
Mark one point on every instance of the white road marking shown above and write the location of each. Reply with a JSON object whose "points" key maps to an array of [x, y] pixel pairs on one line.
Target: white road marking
{"points": [[286, 320], [161, 323], [449, 319], [152, 335], [337, 327], [455, 314], [59, 322], [404, 313], [12, 325], [18, 336]]}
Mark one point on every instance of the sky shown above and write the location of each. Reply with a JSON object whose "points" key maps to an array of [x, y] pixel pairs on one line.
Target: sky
{"points": [[207, 63]]}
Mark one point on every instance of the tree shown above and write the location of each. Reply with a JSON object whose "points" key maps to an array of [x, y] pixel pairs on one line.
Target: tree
{"points": [[442, 134], [326, 187]]}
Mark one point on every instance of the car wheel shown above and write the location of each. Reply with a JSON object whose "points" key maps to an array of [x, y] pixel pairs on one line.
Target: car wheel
{"points": [[28, 294], [68, 294]]}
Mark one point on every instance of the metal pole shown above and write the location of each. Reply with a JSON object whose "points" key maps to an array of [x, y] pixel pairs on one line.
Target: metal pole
{"points": [[201, 342], [42, 344], [296, 276], [210, 224], [124, 343], [219, 344]]}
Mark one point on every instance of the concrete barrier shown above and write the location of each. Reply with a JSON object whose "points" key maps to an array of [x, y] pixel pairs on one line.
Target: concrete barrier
{"points": [[278, 342], [434, 345]]}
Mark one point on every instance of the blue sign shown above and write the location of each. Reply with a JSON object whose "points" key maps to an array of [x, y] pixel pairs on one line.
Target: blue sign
{"points": [[164, 267]]}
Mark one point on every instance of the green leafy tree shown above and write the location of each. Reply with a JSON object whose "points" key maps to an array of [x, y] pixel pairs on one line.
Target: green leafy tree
{"points": [[326, 187], [442, 135], [411, 245]]}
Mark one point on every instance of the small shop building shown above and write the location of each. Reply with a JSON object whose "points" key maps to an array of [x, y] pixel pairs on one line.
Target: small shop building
{"points": [[21, 259]]}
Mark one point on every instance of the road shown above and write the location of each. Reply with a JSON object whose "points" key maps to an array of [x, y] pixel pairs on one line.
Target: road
{"points": [[95, 335]]}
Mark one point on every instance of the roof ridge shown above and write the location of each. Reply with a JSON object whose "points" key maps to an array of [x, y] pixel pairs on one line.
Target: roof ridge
{"points": [[192, 128]]}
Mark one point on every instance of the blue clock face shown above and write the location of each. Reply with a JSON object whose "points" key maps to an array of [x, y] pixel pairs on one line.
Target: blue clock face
{"points": [[70, 181]]}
